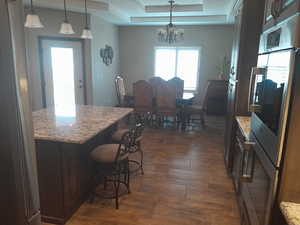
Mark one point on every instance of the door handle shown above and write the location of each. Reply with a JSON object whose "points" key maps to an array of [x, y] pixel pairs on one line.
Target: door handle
{"points": [[245, 174], [255, 71], [80, 84]]}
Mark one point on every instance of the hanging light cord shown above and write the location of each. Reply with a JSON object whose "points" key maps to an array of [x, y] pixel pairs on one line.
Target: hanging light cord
{"points": [[65, 7], [171, 10], [31, 6], [86, 15]]}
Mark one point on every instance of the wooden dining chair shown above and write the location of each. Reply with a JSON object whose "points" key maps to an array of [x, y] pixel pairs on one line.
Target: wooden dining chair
{"points": [[198, 107], [166, 102], [124, 100], [155, 82], [143, 98], [179, 85]]}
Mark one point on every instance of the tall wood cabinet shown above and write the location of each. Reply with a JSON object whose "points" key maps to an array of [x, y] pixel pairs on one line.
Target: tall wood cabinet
{"points": [[249, 17], [19, 187]]}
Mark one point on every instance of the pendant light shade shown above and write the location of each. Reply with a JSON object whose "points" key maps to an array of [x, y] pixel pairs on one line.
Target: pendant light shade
{"points": [[66, 27], [32, 19], [86, 33]]}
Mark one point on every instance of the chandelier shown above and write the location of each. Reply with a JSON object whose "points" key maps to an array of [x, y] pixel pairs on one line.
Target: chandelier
{"points": [[170, 34]]}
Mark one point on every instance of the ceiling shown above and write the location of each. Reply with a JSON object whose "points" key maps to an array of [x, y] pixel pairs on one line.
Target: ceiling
{"points": [[151, 12]]}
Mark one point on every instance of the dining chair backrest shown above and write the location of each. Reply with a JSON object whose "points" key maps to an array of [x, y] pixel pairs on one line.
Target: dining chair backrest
{"points": [[155, 82], [179, 85], [120, 88], [201, 98], [143, 96], [166, 97]]}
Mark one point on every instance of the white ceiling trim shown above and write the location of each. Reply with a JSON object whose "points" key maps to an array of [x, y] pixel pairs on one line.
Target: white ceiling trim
{"points": [[177, 8], [74, 4], [133, 12], [220, 19]]}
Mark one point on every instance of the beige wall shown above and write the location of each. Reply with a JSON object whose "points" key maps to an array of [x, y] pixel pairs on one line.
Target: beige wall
{"points": [[137, 45], [99, 78], [103, 76]]}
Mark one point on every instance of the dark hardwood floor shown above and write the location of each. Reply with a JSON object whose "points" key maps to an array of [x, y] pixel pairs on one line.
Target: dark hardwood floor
{"points": [[185, 183]]}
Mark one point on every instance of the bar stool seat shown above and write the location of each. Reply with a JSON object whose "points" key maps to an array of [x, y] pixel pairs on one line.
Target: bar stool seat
{"points": [[117, 136], [107, 153]]}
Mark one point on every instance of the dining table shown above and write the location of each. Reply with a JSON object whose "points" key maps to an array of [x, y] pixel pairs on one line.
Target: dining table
{"points": [[64, 137]]}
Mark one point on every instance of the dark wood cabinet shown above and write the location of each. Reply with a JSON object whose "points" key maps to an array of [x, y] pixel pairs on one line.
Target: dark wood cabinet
{"points": [[19, 186], [248, 27], [278, 10], [216, 98], [65, 173]]}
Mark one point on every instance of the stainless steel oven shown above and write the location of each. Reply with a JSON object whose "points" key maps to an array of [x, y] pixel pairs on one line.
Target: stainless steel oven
{"points": [[259, 189], [270, 87]]}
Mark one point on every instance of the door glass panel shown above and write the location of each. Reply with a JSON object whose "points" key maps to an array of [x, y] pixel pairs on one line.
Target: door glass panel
{"points": [[165, 63], [63, 78], [269, 88], [187, 68]]}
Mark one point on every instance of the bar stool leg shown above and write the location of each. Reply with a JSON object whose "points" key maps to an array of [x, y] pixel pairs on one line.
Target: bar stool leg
{"points": [[117, 186], [128, 176], [142, 157]]}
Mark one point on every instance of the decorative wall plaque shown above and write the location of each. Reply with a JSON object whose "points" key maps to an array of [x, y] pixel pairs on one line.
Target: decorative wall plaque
{"points": [[107, 55]]}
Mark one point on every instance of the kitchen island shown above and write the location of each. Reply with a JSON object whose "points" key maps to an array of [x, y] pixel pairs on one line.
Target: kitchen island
{"points": [[64, 138]]}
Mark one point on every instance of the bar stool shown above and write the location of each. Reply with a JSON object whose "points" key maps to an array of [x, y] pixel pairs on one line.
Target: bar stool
{"points": [[112, 165], [137, 132]]}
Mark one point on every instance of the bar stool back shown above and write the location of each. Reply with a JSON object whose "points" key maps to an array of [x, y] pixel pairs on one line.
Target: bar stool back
{"points": [[112, 164]]}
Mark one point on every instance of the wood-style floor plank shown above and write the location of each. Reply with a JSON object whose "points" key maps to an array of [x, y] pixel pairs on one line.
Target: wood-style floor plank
{"points": [[185, 183]]}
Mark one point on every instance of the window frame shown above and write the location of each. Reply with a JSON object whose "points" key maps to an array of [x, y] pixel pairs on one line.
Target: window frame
{"points": [[177, 48]]}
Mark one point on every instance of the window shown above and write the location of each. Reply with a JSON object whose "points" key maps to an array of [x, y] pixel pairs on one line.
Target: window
{"points": [[178, 62]]}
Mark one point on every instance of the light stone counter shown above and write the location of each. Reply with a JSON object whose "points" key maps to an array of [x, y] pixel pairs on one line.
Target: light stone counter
{"points": [[75, 124], [291, 212], [244, 123]]}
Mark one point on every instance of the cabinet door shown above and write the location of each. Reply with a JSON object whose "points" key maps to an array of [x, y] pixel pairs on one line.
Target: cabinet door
{"points": [[236, 167], [230, 127], [278, 10], [268, 10], [236, 43]]}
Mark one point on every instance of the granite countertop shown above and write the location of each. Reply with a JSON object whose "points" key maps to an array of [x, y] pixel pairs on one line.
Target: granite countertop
{"points": [[291, 212], [75, 124], [244, 123]]}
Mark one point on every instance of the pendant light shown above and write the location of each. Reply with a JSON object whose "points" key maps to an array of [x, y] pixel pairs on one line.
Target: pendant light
{"points": [[86, 33], [66, 27], [32, 19]]}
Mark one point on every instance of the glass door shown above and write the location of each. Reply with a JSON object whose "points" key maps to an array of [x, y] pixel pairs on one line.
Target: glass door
{"points": [[63, 73]]}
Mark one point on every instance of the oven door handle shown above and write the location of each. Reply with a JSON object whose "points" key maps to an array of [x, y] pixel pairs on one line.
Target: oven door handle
{"points": [[244, 175], [255, 71]]}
